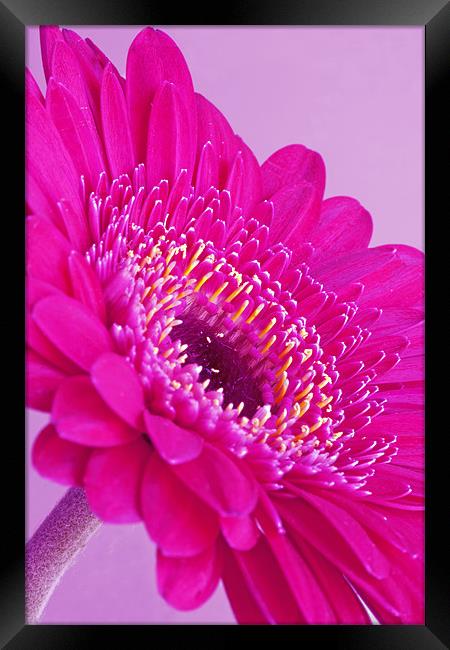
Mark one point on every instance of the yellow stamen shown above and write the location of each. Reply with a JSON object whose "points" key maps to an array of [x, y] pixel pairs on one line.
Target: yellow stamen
{"points": [[325, 402], [288, 348], [218, 291], [236, 292], [284, 367], [202, 281], [269, 343], [268, 327], [317, 425], [169, 269], [281, 417], [304, 392], [241, 309], [255, 312], [325, 381]]}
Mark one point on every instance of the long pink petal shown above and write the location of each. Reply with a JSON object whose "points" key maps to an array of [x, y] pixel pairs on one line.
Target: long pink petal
{"points": [[175, 444], [400, 283], [241, 533], [242, 601], [72, 328], [293, 165], [47, 251], [353, 533], [31, 86], [42, 381], [118, 384], [49, 35], [51, 175], [77, 130], [340, 270], [296, 209], [309, 596], [176, 519], [343, 600], [86, 285], [186, 583], [220, 481], [343, 226], [57, 459], [112, 481], [153, 58], [67, 72], [214, 128], [116, 128], [80, 415], [170, 146], [267, 584]]}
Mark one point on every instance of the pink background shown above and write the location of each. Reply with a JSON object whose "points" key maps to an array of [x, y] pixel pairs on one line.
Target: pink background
{"points": [[353, 94]]}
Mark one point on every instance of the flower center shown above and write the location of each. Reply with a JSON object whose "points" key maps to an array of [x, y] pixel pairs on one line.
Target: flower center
{"points": [[220, 355]]}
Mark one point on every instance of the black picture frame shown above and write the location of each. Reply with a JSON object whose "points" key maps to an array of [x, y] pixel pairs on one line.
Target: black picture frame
{"points": [[15, 15]]}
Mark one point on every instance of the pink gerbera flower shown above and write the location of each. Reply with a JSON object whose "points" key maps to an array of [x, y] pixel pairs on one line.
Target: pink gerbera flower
{"points": [[221, 354]]}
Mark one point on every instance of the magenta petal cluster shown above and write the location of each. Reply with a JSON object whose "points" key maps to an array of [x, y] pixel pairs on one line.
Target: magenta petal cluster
{"points": [[222, 355]]}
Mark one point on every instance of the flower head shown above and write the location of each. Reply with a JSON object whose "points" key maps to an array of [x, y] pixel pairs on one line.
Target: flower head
{"points": [[222, 355]]}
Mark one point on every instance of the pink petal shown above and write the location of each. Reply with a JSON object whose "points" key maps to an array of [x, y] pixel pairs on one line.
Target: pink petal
{"points": [[175, 444], [116, 128], [66, 72], [42, 381], [353, 533], [112, 481], [241, 598], [341, 597], [207, 170], [267, 584], [49, 35], [408, 369], [244, 178], [47, 251], [72, 328], [394, 321], [81, 416], [340, 270], [344, 225], [76, 127], [51, 175], [214, 128], [91, 69], [118, 384], [186, 583], [241, 533], [153, 58], [309, 596], [31, 86], [58, 459], [42, 346], [170, 145], [296, 209], [223, 483], [293, 165], [310, 523], [86, 285], [400, 283], [76, 226], [178, 521]]}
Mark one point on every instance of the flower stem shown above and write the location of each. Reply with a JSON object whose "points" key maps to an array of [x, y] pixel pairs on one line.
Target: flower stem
{"points": [[54, 547]]}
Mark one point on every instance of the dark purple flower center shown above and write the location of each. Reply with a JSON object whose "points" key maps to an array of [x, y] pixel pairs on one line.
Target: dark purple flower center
{"points": [[223, 362]]}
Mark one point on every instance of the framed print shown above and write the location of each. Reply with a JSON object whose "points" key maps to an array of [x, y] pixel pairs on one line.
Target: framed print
{"points": [[224, 326]]}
